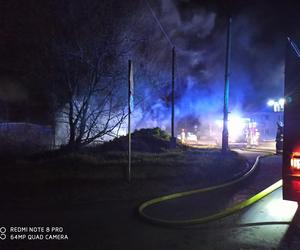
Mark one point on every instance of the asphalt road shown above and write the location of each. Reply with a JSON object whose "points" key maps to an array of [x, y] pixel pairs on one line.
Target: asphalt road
{"points": [[269, 224]]}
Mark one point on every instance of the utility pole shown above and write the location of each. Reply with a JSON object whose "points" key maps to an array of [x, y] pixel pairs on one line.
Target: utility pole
{"points": [[130, 107], [226, 88], [173, 138]]}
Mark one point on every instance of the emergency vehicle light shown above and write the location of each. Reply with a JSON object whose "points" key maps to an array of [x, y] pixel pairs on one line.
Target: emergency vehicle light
{"points": [[295, 161]]}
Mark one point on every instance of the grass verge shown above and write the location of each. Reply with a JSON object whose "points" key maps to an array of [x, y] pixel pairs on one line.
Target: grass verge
{"points": [[84, 177]]}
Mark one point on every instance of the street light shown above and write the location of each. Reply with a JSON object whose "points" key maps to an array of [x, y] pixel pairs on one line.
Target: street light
{"points": [[281, 102], [278, 105], [271, 103]]}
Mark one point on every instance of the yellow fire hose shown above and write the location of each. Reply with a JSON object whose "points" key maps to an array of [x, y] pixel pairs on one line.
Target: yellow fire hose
{"points": [[216, 216]]}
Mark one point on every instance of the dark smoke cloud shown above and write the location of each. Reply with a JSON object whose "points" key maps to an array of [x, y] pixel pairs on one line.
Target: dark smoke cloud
{"points": [[198, 30]]}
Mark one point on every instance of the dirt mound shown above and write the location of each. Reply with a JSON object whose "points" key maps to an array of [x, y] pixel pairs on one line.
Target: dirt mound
{"points": [[153, 140]]}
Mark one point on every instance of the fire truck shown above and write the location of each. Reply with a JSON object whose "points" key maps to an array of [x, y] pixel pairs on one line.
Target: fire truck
{"points": [[291, 143]]}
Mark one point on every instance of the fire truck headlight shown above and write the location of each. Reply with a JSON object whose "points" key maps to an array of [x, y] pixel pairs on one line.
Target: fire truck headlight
{"points": [[281, 102]]}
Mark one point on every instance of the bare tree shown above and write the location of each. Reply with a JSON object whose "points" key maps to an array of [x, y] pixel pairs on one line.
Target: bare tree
{"points": [[93, 70], [93, 107]]}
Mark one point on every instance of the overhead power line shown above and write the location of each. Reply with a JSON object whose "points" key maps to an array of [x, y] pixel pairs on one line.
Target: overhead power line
{"points": [[294, 46], [159, 24]]}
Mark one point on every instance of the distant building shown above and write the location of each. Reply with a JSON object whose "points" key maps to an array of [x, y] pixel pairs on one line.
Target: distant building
{"points": [[25, 137]]}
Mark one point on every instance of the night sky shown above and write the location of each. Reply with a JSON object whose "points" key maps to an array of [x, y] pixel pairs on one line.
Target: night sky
{"points": [[34, 33]]}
